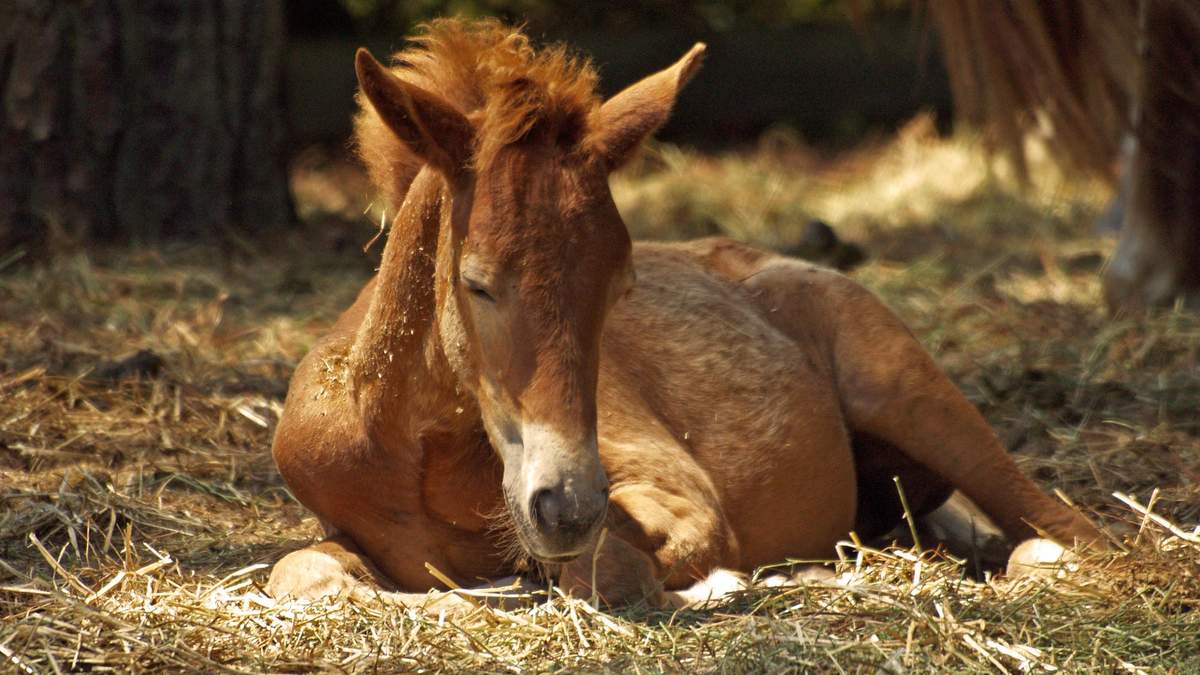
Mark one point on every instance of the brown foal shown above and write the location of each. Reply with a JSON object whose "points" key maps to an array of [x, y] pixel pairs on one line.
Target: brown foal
{"points": [[710, 404]]}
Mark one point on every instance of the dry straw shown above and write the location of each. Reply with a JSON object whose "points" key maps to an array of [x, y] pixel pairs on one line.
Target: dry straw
{"points": [[138, 514]]}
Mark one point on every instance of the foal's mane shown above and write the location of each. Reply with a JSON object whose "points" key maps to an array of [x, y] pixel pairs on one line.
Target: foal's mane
{"points": [[490, 73]]}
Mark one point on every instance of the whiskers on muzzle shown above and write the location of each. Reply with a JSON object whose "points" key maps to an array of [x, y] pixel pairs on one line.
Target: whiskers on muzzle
{"points": [[502, 529]]}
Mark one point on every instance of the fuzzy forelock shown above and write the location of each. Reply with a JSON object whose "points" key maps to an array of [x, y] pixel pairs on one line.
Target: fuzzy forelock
{"points": [[492, 74]]}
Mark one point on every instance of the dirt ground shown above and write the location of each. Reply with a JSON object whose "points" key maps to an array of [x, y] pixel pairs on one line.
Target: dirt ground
{"points": [[140, 509]]}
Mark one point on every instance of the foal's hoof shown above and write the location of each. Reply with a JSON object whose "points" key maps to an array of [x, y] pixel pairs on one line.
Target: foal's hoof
{"points": [[1040, 558], [717, 585]]}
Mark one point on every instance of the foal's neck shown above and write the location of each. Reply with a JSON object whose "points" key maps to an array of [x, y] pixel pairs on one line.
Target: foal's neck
{"points": [[401, 381]]}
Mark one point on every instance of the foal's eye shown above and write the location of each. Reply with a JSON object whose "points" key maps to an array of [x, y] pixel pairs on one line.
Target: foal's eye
{"points": [[477, 290]]}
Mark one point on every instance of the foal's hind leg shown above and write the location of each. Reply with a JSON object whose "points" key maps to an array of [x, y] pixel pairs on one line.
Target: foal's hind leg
{"points": [[614, 572], [877, 464], [943, 516], [890, 388]]}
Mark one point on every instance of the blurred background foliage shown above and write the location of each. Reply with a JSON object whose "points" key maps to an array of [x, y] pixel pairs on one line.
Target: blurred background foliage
{"points": [[565, 15], [810, 67], [130, 122]]}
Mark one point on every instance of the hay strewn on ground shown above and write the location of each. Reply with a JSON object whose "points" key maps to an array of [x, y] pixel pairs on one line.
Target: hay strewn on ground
{"points": [[139, 507]]}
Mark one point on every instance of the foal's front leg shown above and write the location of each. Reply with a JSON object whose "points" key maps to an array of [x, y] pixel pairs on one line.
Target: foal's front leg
{"points": [[662, 541], [614, 572], [335, 568]]}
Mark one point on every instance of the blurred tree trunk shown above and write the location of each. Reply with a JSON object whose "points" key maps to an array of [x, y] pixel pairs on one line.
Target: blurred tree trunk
{"points": [[136, 120]]}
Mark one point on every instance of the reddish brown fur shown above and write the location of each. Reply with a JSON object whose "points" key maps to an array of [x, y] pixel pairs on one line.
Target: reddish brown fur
{"points": [[727, 400], [490, 74]]}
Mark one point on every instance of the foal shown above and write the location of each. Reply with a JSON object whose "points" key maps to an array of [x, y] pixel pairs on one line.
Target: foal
{"points": [[710, 404]]}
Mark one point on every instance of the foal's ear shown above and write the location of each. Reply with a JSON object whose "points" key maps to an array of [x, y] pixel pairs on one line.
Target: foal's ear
{"points": [[628, 118], [425, 122]]}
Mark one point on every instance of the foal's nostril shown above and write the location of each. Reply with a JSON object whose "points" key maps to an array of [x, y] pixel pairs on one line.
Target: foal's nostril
{"points": [[546, 509]]}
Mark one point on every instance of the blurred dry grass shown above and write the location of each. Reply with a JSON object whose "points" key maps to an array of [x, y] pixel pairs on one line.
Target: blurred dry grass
{"points": [[139, 508]]}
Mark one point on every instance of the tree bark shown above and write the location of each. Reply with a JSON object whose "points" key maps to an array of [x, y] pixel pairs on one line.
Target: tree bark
{"points": [[138, 120]]}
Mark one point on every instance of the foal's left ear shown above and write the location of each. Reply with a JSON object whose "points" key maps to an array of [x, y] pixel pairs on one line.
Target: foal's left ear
{"points": [[432, 128], [628, 118]]}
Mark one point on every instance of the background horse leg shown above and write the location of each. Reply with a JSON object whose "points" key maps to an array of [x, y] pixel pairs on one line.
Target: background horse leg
{"points": [[964, 530]]}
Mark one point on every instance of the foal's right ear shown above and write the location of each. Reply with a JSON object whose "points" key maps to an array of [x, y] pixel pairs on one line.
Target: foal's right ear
{"points": [[432, 128], [628, 118]]}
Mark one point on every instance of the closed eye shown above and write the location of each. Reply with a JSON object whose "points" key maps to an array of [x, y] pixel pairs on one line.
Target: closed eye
{"points": [[477, 290]]}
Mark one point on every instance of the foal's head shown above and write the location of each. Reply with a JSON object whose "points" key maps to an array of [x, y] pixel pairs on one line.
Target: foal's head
{"points": [[537, 256]]}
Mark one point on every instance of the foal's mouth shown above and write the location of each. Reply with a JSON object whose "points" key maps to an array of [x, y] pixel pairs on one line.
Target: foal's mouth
{"points": [[556, 559], [526, 536]]}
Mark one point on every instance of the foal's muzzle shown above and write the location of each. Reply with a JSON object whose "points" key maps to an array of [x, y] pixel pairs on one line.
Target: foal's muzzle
{"points": [[566, 520], [557, 491]]}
